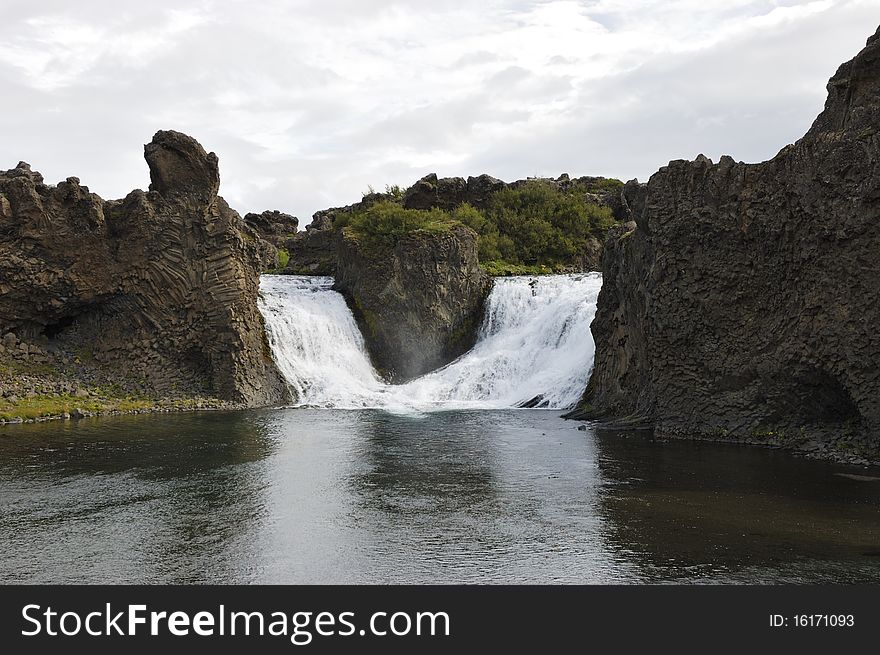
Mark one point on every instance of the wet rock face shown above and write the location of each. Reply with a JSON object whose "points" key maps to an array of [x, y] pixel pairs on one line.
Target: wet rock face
{"points": [[745, 299], [418, 307], [160, 286]]}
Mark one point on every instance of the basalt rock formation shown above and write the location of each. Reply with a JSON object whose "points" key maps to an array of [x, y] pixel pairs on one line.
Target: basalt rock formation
{"points": [[159, 287], [420, 305], [744, 299], [275, 228], [449, 192]]}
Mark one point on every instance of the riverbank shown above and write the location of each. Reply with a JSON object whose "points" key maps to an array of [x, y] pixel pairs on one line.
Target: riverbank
{"points": [[843, 448], [495, 496], [40, 382], [850, 448], [39, 409]]}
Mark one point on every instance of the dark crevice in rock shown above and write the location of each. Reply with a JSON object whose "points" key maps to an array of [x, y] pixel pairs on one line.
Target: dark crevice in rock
{"points": [[52, 330]]}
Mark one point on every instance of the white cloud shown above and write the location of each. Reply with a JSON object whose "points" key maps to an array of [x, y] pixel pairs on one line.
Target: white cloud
{"points": [[306, 103]]}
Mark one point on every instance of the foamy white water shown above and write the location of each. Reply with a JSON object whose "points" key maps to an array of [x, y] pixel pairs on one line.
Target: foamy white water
{"points": [[534, 347]]}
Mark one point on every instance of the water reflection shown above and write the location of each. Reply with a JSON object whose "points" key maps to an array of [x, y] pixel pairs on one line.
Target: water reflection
{"points": [[703, 511], [435, 463], [506, 496], [128, 499], [325, 496]]}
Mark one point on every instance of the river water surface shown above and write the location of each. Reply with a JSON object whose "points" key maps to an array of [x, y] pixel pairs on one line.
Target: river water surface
{"points": [[367, 496]]}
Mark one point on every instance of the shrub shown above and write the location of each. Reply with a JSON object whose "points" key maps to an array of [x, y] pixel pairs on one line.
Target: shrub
{"points": [[536, 227], [395, 191], [282, 258], [382, 224], [536, 223]]}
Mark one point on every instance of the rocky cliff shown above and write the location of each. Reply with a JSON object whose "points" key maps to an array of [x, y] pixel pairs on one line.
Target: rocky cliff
{"points": [[275, 228], [418, 306], [743, 302], [157, 290]]}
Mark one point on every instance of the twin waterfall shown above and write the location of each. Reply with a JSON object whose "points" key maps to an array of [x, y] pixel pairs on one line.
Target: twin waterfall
{"points": [[534, 348]]}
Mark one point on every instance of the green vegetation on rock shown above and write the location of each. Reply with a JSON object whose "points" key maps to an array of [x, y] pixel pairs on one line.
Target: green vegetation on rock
{"points": [[537, 227], [497, 268], [44, 405], [282, 258], [538, 224], [381, 225]]}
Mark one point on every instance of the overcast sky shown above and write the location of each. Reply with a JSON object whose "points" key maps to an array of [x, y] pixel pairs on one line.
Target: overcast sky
{"points": [[307, 103]]}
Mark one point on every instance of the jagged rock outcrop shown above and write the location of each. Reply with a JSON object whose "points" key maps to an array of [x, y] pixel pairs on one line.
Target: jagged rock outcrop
{"points": [[275, 228], [313, 251], [418, 306], [744, 300], [160, 286]]}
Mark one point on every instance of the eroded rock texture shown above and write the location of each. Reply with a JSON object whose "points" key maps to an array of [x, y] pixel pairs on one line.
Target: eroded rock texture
{"points": [[160, 286], [745, 299], [418, 308], [275, 228]]}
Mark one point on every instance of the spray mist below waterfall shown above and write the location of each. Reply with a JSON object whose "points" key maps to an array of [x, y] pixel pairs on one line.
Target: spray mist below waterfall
{"points": [[534, 348]]}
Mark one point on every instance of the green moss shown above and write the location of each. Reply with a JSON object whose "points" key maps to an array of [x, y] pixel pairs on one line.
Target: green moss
{"points": [[497, 268], [282, 258], [12, 367], [42, 405], [368, 318], [536, 228], [84, 355], [606, 184]]}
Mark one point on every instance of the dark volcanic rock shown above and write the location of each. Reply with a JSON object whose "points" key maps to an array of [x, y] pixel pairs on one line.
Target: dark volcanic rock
{"points": [[179, 164], [449, 192], [420, 305], [159, 286], [275, 229], [312, 252], [745, 303], [273, 226], [480, 189], [445, 193]]}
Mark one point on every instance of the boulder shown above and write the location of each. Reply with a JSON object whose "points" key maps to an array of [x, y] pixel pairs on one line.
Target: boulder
{"points": [[481, 188], [179, 164], [446, 193]]}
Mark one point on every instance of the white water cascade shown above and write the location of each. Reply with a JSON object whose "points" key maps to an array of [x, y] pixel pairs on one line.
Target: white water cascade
{"points": [[534, 348]]}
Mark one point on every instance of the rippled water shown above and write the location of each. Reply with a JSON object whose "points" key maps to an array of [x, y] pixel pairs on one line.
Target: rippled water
{"points": [[331, 496]]}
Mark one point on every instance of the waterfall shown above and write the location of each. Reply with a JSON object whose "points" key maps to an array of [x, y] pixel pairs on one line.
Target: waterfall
{"points": [[534, 348], [315, 342]]}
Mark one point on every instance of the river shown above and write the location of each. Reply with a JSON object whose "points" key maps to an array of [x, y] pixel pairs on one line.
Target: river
{"points": [[368, 496]]}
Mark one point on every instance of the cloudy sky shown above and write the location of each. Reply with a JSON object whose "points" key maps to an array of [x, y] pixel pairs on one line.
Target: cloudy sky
{"points": [[308, 102]]}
